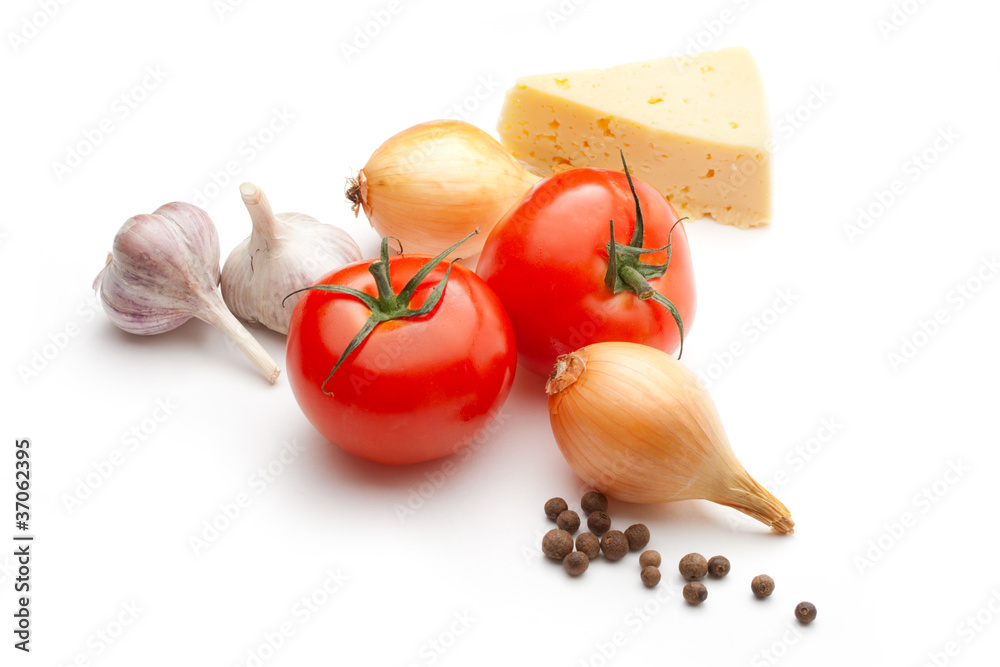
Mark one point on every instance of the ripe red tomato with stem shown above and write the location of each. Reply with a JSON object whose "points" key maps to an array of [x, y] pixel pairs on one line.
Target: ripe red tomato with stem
{"points": [[591, 255], [401, 359]]}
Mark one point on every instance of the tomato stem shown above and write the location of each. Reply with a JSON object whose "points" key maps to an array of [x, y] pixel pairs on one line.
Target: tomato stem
{"points": [[639, 285], [386, 297], [625, 271]]}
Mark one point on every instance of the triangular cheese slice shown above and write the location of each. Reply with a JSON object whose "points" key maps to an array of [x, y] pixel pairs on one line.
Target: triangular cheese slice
{"points": [[694, 127]]}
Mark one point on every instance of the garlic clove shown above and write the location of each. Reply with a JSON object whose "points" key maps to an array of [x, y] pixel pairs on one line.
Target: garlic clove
{"points": [[161, 265], [285, 252], [163, 270]]}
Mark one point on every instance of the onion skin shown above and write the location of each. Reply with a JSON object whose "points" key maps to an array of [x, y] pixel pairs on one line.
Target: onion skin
{"points": [[638, 426], [436, 182]]}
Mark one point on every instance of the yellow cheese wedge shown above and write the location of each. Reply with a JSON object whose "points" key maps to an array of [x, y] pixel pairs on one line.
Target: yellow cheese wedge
{"points": [[694, 127]]}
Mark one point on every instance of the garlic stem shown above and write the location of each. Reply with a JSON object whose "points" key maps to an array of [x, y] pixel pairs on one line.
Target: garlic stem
{"points": [[216, 314], [266, 228]]}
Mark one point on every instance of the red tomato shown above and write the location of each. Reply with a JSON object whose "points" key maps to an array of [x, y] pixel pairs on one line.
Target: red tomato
{"points": [[417, 388], [547, 260]]}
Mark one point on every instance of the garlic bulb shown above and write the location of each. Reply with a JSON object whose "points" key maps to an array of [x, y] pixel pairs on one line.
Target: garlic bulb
{"points": [[163, 270], [284, 253], [436, 182], [637, 425]]}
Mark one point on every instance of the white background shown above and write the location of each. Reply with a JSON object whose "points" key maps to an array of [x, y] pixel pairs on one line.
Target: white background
{"points": [[886, 594]]}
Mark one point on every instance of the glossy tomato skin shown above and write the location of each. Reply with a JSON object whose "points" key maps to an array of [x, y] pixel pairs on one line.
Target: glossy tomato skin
{"points": [[547, 257], [417, 388]]}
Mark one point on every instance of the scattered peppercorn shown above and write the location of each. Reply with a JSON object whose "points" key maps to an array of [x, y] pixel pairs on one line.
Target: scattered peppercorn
{"points": [[576, 563], [693, 567], [614, 544], [695, 592], [554, 507], [589, 544], [650, 575], [762, 586], [593, 501], [637, 535], [805, 612], [650, 558], [557, 543], [599, 522], [718, 566], [568, 520]]}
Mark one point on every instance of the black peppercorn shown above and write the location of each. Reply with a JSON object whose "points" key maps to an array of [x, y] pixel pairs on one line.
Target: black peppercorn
{"points": [[805, 612], [693, 567], [576, 563], [557, 543], [650, 557], [718, 566], [762, 586], [695, 592], [589, 544], [568, 520], [637, 535], [554, 507], [599, 522], [650, 575], [593, 501], [614, 545]]}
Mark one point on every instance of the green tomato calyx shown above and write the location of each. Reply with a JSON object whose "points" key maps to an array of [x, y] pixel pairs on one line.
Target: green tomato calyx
{"points": [[389, 305], [627, 273]]}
